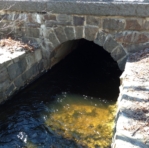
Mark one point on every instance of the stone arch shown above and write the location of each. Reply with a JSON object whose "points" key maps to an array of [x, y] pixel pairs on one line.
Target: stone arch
{"points": [[60, 35]]}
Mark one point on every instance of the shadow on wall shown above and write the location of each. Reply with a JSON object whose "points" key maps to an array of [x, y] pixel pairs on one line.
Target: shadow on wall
{"points": [[67, 47], [93, 61], [63, 50]]}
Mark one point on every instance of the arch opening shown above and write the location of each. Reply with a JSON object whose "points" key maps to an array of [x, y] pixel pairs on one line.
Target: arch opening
{"points": [[61, 51], [91, 60], [73, 104], [87, 74]]}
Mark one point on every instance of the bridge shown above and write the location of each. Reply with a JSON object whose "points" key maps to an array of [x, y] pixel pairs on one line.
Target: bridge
{"points": [[54, 28]]}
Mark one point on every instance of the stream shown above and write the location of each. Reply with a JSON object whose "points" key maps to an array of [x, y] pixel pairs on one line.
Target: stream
{"points": [[73, 105]]}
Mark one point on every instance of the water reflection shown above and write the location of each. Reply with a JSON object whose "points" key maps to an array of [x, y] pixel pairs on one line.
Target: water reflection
{"points": [[62, 109]]}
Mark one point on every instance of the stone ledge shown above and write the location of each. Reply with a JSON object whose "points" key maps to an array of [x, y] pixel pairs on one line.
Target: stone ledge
{"points": [[18, 69], [85, 7], [133, 114]]}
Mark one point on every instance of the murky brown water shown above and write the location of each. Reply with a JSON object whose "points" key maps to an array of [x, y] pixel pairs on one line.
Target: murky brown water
{"points": [[71, 106]]}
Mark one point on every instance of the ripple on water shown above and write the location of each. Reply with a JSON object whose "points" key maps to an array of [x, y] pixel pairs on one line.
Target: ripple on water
{"points": [[88, 122], [62, 109]]}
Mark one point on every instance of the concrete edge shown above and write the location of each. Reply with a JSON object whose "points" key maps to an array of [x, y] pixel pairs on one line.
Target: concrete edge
{"points": [[140, 9]]}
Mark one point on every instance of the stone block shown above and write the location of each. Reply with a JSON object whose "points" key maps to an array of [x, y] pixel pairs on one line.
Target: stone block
{"points": [[14, 70], [18, 32], [31, 32], [53, 23], [49, 17], [142, 38], [64, 18], [8, 62], [90, 32], [46, 57], [59, 31], [4, 16], [32, 41], [131, 48], [16, 16], [47, 47], [15, 57], [35, 70], [2, 65], [38, 55], [113, 24], [46, 53], [46, 64], [40, 66], [31, 18], [122, 63], [3, 74], [9, 17], [79, 32], [132, 37], [134, 24], [22, 64], [110, 44], [78, 21], [128, 142], [100, 39], [18, 82], [10, 89], [4, 85], [118, 53], [22, 16], [91, 20], [30, 59], [125, 37], [27, 76], [70, 33], [145, 26], [9, 30], [53, 39], [4, 24], [32, 25]]}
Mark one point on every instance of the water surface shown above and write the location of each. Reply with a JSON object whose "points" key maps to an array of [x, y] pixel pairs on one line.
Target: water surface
{"points": [[71, 106]]}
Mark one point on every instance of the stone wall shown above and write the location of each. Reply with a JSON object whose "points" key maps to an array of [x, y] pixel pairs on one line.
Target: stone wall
{"points": [[63, 50], [122, 28], [18, 70], [120, 36], [133, 114], [49, 32]]}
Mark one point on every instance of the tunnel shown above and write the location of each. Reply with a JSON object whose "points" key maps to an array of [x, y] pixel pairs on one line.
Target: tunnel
{"points": [[72, 105], [89, 61]]}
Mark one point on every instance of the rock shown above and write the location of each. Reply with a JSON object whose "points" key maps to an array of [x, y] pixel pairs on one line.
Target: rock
{"points": [[110, 44], [113, 24], [100, 39], [118, 53], [79, 32], [70, 33], [78, 21], [90, 32], [59, 31], [91, 20]]}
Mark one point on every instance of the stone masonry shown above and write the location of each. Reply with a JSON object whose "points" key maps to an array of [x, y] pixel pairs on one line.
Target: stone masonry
{"points": [[120, 36], [132, 130], [121, 27], [18, 70]]}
